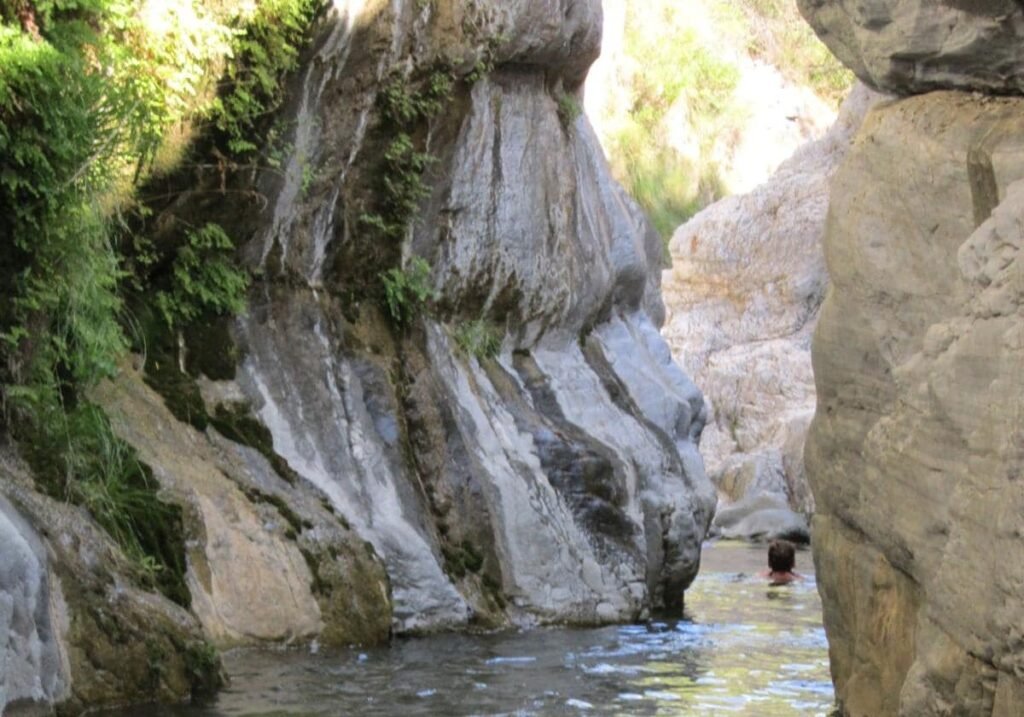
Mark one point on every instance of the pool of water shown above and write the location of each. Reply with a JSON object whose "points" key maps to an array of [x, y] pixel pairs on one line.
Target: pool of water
{"points": [[743, 648]]}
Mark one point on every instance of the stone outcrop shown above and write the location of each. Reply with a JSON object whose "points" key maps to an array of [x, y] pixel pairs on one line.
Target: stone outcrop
{"points": [[916, 451], [258, 549], [78, 630], [747, 280], [902, 46]]}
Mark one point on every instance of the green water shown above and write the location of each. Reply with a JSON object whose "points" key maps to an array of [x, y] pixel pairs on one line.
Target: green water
{"points": [[744, 648]]}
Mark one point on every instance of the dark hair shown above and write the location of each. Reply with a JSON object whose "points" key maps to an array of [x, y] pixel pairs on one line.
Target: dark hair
{"points": [[781, 556]]}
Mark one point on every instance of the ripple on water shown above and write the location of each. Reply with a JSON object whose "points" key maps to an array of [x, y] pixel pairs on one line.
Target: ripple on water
{"points": [[744, 649]]}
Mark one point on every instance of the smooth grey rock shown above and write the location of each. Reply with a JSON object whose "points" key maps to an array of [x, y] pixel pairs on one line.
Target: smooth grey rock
{"points": [[761, 517], [33, 666], [325, 412], [912, 46], [915, 453], [564, 473], [743, 293]]}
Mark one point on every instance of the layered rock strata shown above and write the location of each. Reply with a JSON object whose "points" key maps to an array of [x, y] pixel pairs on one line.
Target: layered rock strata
{"points": [[915, 452]]}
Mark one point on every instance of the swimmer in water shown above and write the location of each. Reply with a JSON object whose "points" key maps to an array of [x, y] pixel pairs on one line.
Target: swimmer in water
{"points": [[781, 560]]}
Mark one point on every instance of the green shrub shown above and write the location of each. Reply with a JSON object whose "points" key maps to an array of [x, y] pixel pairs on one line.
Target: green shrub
{"points": [[88, 94], [680, 63], [407, 291], [398, 185], [265, 49], [203, 668], [76, 456], [206, 280], [677, 65]]}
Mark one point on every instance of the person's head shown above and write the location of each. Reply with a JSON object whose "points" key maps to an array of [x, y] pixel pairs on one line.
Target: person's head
{"points": [[781, 556]]}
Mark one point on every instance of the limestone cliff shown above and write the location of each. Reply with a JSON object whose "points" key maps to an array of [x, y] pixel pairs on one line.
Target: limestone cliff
{"points": [[558, 479], [746, 283], [914, 453], [448, 403]]}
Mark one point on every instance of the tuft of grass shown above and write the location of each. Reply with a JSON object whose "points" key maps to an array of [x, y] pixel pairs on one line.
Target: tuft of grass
{"points": [[77, 457], [478, 338], [203, 668]]}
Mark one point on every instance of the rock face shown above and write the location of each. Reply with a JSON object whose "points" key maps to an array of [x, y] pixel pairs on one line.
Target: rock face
{"points": [[343, 474], [559, 479], [78, 631], [34, 667], [747, 279], [902, 46], [916, 451], [253, 540]]}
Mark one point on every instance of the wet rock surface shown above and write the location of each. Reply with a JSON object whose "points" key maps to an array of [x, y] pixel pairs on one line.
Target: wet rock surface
{"points": [[914, 454]]}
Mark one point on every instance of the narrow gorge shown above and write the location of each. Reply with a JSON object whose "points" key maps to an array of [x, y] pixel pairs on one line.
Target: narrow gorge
{"points": [[390, 358]]}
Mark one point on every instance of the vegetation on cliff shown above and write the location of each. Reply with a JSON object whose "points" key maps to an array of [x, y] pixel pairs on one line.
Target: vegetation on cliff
{"points": [[97, 97]]}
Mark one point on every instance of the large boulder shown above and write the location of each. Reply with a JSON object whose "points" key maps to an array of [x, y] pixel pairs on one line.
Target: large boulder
{"points": [[259, 549], [747, 279], [912, 46], [916, 451]]}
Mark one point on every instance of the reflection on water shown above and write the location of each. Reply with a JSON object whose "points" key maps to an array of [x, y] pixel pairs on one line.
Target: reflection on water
{"points": [[744, 649]]}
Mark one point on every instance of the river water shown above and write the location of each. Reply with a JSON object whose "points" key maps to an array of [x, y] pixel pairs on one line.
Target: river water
{"points": [[743, 648]]}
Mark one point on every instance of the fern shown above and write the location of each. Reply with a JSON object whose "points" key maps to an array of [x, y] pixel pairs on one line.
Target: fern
{"points": [[206, 280]]}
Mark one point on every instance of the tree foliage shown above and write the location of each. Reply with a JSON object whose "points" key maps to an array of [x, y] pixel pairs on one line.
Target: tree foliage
{"points": [[89, 92]]}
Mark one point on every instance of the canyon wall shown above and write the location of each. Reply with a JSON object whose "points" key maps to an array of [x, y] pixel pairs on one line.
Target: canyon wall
{"points": [[743, 294], [462, 415], [915, 453]]}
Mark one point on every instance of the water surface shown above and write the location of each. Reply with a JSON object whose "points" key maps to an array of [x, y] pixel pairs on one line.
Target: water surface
{"points": [[744, 648]]}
